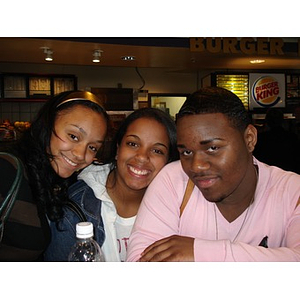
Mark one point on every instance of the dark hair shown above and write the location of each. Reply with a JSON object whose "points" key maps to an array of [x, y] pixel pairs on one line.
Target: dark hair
{"points": [[150, 113], [48, 189], [216, 100]]}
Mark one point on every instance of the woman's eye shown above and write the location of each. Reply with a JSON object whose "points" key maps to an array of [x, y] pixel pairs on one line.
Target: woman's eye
{"points": [[132, 144], [158, 151], [73, 137], [94, 149]]}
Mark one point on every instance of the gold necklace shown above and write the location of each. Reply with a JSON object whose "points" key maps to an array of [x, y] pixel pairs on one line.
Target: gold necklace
{"points": [[247, 212]]}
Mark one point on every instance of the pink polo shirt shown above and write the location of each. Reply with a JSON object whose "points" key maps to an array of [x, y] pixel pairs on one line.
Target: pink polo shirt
{"points": [[274, 213]]}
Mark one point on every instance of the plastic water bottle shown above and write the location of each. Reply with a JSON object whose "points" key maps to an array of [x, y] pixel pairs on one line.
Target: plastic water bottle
{"points": [[85, 248]]}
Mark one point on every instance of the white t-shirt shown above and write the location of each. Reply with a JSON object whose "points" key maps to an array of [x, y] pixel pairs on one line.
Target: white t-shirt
{"points": [[95, 176], [123, 231]]}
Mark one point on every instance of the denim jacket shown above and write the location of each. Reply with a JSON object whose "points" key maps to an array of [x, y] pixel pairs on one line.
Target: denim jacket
{"points": [[64, 232]]}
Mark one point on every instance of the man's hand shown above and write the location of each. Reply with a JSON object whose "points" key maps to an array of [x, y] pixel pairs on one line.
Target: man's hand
{"points": [[172, 248]]}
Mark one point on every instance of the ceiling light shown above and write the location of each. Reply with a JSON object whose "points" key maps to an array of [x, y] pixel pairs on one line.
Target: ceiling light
{"points": [[257, 61], [128, 57], [96, 56], [49, 56], [48, 53]]}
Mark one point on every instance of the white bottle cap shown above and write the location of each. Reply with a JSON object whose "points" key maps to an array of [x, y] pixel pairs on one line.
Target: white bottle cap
{"points": [[84, 230]]}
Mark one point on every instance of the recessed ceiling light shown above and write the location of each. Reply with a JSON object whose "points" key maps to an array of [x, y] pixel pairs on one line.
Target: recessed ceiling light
{"points": [[257, 61], [128, 57], [48, 53], [97, 55]]}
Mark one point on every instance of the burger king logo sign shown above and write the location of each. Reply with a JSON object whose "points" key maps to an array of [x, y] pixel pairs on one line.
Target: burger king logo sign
{"points": [[267, 90]]}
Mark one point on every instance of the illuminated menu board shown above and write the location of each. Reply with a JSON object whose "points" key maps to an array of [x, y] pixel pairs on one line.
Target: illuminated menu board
{"points": [[238, 84]]}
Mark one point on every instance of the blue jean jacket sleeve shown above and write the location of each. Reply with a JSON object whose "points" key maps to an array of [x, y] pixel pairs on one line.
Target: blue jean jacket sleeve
{"points": [[64, 232]]}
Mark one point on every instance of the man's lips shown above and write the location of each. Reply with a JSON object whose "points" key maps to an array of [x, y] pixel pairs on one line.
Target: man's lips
{"points": [[205, 182]]}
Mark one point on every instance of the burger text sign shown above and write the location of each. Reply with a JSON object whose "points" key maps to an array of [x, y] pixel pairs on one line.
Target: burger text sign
{"points": [[267, 90]]}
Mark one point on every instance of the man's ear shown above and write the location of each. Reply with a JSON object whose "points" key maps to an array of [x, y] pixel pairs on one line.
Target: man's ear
{"points": [[250, 137]]}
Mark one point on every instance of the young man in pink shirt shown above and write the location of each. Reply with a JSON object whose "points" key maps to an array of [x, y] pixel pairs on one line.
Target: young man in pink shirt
{"points": [[240, 209]]}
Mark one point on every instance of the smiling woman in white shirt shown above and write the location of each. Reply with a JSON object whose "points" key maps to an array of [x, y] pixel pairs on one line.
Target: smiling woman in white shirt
{"points": [[144, 143]]}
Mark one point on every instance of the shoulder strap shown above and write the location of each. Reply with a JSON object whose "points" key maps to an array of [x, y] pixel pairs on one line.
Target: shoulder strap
{"points": [[77, 210], [187, 194], [298, 202], [9, 200]]}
